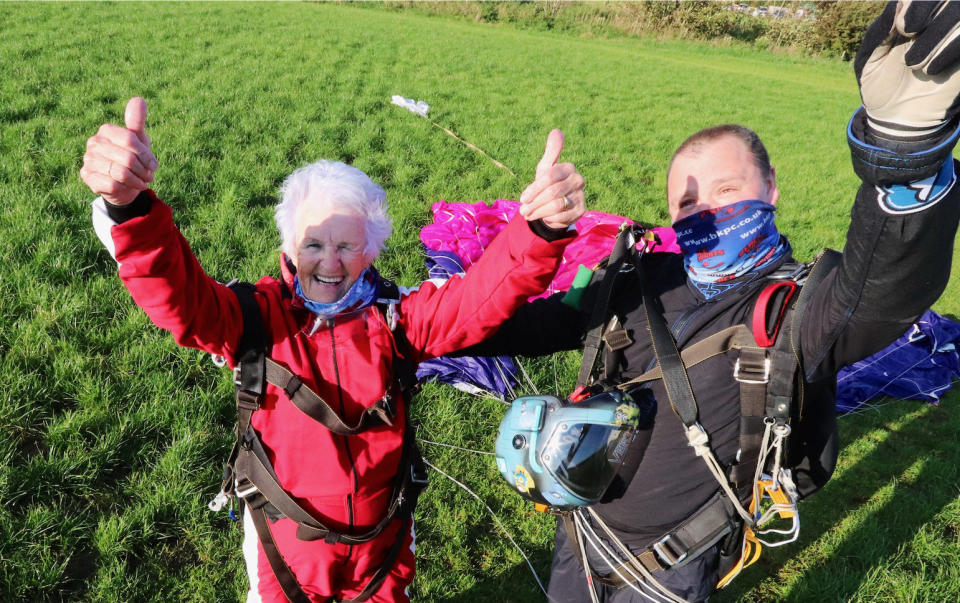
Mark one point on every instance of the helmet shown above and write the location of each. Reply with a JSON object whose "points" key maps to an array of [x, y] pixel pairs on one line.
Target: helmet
{"points": [[567, 455]]}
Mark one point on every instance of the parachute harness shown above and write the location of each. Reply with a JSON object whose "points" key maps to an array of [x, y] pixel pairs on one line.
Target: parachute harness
{"points": [[766, 371]]}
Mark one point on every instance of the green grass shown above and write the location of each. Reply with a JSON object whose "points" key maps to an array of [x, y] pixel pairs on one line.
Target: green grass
{"points": [[113, 436]]}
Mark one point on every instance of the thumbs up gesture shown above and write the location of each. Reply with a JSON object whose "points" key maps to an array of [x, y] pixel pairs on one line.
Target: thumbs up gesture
{"points": [[118, 163], [556, 193]]}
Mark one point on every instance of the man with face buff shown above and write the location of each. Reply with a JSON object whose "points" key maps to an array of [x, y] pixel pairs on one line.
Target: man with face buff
{"points": [[722, 194]]}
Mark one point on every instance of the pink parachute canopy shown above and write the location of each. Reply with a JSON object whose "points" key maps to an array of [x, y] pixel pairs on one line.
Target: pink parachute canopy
{"points": [[467, 228]]}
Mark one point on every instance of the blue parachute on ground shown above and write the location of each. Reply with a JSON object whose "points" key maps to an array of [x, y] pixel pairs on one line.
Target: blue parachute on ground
{"points": [[921, 365]]}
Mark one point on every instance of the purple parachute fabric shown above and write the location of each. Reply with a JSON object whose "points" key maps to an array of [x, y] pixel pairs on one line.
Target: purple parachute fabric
{"points": [[465, 229], [478, 375], [921, 365], [457, 238]]}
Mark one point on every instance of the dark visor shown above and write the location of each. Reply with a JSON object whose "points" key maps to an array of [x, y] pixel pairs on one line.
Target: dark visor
{"points": [[581, 457]]}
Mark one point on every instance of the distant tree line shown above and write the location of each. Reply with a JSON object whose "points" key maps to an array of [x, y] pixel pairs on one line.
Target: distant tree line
{"points": [[832, 29]]}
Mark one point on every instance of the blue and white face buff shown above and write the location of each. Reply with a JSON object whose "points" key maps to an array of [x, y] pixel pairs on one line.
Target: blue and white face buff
{"points": [[722, 244], [361, 294]]}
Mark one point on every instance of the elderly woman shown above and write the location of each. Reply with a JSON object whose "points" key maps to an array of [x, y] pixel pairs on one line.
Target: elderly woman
{"points": [[328, 514]]}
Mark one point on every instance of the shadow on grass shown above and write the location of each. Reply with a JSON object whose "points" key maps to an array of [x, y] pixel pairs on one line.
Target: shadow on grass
{"points": [[831, 565], [515, 585]]}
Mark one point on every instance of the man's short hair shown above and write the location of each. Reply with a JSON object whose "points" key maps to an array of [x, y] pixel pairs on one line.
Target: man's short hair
{"points": [[743, 133]]}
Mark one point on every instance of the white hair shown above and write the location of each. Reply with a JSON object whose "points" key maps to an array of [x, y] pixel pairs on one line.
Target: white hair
{"points": [[339, 185]]}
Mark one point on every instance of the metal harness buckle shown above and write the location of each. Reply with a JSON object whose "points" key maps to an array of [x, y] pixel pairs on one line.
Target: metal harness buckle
{"points": [[665, 555], [245, 490], [764, 379]]}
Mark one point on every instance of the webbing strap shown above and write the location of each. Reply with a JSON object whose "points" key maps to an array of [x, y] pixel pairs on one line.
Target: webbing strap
{"points": [[385, 567], [249, 467], [674, 374], [731, 338], [707, 526], [598, 317], [753, 372], [315, 407], [250, 356], [253, 468], [288, 582]]}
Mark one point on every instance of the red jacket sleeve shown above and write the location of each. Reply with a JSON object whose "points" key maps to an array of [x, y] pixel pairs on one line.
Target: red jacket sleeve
{"points": [[440, 318], [159, 269]]}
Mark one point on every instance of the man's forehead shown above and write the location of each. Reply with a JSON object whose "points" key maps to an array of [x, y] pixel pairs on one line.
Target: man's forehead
{"points": [[697, 149], [700, 146]]}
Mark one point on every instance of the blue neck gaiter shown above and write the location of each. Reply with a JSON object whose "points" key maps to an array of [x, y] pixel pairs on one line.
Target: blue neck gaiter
{"points": [[720, 245], [361, 294]]}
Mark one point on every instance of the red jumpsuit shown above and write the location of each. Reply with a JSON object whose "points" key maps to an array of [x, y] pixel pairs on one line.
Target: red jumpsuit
{"points": [[345, 481]]}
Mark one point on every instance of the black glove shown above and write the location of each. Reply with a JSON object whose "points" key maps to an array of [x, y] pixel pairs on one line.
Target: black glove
{"points": [[908, 69]]}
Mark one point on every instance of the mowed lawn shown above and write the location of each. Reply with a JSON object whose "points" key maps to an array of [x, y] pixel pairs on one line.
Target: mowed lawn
{"points": [[113, 437]]}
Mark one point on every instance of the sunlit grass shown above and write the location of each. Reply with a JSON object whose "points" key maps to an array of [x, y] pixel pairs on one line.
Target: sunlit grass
{"points": [[114, 436]]}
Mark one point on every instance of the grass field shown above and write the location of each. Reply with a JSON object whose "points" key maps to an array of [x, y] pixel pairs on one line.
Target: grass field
{"points": [[113, 437]]}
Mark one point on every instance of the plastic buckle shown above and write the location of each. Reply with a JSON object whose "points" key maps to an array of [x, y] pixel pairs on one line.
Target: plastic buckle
{"points": [[236, 375], [580, 394], [766, 373], [665, 555], [418, 478]]}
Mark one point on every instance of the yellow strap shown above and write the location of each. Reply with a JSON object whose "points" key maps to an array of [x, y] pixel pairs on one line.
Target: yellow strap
{"points": [[779, 497], [750, 554], [751, 545]]}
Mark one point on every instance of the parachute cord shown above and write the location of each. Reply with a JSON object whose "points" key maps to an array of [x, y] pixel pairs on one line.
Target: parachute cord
{"points": [[587, 533], [780, 433], [533, 387], [495, 518], [764, 452], [457, 447], [866, 406], [585, 563], [556, 379], [698, 439], [651, 582], [506, 380]]}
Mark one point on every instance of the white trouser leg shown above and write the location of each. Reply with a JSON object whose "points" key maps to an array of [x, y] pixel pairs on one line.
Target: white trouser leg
{"points": [[250, 553]]}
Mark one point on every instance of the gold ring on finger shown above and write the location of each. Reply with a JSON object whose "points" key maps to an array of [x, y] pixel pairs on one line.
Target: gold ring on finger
{"points": [[567, 203]]}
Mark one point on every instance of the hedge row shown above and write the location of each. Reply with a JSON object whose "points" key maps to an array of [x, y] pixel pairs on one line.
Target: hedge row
{"points": [[833, 29]]}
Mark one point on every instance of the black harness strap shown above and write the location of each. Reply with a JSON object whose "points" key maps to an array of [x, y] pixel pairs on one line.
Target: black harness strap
{"points": [[731, 338], [707, 526], [674, 374], [598, 317], [253, 341]]}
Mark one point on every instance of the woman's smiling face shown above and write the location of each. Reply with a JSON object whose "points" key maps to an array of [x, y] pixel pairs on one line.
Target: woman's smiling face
{"points": [[330, 250]]}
